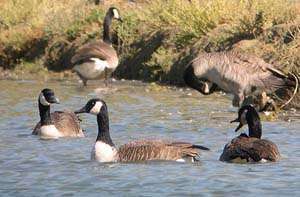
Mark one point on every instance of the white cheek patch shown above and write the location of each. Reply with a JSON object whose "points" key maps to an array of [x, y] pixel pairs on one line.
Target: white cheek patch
{"points": [[116, 14], [96, 109], [43, 100], [206, 88]]}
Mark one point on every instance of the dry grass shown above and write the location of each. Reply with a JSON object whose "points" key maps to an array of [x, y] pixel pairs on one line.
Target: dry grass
{"points": [[24, 21], [193, 20]]}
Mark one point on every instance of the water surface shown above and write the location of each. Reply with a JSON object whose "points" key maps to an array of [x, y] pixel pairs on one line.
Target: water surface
{"points": [[33, 167]]}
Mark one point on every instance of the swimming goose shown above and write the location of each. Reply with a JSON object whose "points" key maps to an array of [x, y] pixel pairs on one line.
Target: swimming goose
{"points": [[104, 149], [250, 148], [235, 73], [95, 58], [57, 124]]}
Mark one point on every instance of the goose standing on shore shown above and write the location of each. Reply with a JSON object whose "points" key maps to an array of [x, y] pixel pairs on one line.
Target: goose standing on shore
{"points": [[96, 58], [235, 73], [57, 124], [104, 149], [249, 148]]}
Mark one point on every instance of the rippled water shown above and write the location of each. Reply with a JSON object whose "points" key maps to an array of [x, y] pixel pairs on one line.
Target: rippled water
{"points": [[33, 167]]}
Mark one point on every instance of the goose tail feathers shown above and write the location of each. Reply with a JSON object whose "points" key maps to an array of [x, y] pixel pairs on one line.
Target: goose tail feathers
{"points": [[278, 79], [200, 147]]}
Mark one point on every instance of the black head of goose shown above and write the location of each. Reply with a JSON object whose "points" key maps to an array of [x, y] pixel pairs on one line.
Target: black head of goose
{"points": [[104, 149], [56, 124], [96, 58], [249, 148], [234, 72]]}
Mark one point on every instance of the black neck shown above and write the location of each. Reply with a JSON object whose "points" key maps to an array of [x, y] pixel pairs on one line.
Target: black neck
{"points": [[254, 124], [106, 28], [45, 114], [103, 127], [194, 82]]}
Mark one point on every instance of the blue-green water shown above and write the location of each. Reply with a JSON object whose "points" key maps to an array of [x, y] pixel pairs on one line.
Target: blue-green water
{"points": [[33, 167]]}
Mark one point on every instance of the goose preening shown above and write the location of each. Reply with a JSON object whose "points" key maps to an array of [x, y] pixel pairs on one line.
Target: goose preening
{"points": [[249, 148], [235, 73], [96, 58], [104, 149], [56, 124]]}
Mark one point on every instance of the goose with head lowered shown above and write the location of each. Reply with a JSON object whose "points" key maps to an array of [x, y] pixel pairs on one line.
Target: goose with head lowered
{"points": [[56, 124], [96, 58], [104, 149], [234, 72], [249, 148]]}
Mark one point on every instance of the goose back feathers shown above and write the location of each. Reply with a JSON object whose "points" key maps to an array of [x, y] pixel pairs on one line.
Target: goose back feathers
{"points": [[249, 148], [158, 150], [67, 123], [96, 49], [234, 72]]}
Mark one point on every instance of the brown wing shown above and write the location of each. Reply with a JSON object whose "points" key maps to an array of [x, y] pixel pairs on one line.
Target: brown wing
{"points": [[259, 72], [156, 150], [251, 149], [265, 149], [96, 49], [66, 122]]}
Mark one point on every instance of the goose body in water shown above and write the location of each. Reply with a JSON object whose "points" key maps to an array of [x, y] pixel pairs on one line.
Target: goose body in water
{"points": [[96, 58], [104, 149], [56, 124], [235, 73], [250, 148]]}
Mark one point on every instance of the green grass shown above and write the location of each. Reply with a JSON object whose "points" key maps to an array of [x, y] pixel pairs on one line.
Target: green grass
{"points": [[209, 25]]}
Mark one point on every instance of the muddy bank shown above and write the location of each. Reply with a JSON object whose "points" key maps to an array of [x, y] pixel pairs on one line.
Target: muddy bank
{"points": [[152, 45]]}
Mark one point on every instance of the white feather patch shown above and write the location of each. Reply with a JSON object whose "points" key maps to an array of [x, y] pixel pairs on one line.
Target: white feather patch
{"points": [[263, 160], [180, 160], [100, 65], [50, 132], [116, 13], [97, 107], [43, 100], [103, 152]]}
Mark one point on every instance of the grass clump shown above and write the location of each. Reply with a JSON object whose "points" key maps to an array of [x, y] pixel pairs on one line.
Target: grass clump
{"points": [[170, 32], [24, 22]]}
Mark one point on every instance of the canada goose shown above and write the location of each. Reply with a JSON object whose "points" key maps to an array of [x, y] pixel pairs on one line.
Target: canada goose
{"points": [[57, 124], [95, 58], [235, 73], [250, 148], [104, 149]]}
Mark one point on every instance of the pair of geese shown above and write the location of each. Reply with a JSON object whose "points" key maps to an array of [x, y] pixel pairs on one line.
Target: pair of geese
{"points": [[245, 148]]}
